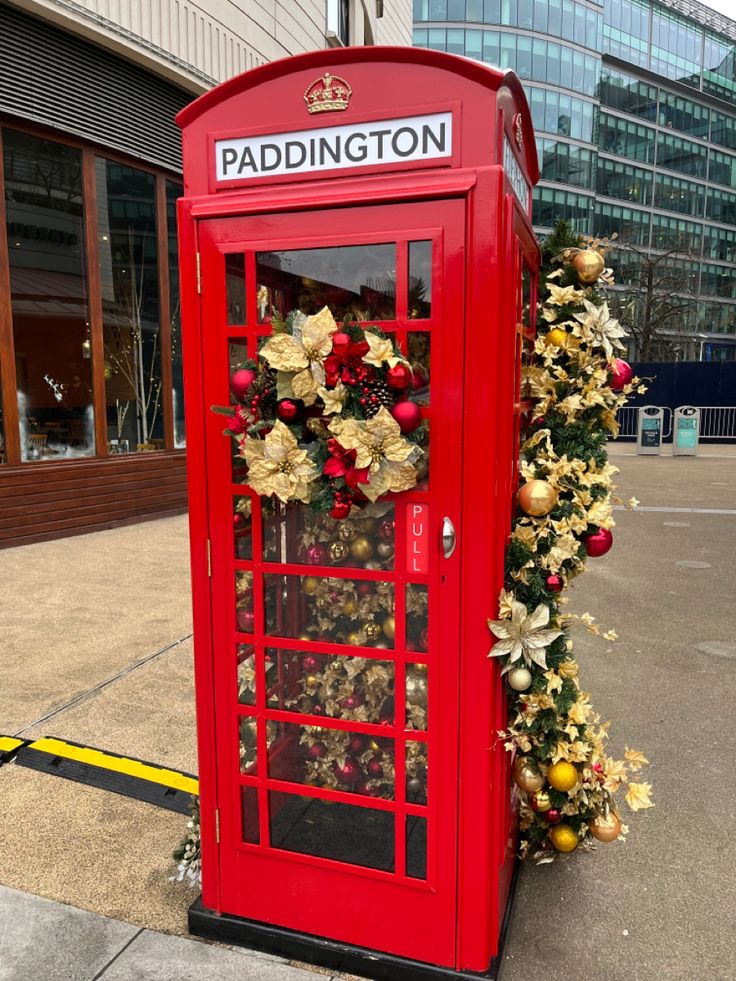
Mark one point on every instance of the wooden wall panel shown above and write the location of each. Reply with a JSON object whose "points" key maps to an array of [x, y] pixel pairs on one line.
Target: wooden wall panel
{"points": [[39, 501]]}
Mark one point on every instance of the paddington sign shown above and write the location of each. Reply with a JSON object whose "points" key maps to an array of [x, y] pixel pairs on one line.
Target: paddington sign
{"points": [[389, 141]]}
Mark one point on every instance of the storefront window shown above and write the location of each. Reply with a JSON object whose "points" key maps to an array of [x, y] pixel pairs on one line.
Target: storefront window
{"points": [[129, 282], [46, 248], [174, 191]]}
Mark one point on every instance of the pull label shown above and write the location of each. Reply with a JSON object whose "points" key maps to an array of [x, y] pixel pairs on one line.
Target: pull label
{"points": [[417, 538]]}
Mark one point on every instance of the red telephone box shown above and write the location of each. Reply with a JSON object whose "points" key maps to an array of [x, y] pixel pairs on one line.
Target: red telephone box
{"points": [[395, 184]]}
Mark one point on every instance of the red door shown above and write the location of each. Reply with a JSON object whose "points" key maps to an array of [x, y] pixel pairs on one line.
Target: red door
{"points": [[336, 659]]}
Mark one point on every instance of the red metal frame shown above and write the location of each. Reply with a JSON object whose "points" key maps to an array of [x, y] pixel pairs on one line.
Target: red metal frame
{"points": [[481, 238]]}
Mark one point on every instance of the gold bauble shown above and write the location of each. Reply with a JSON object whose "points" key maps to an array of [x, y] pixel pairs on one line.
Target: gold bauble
{"points": [[420, 668], [562, 776], [557, 337], [311, 681], [338, 551], [589, 265], [361, 548], [354, 640], [346, 531], [416, 690], [389, 627], [564, 838], [519, 678], [310, 585], [605, 826], [542, 801], [349, 607], [527, 775], [537, 498], [372, 630], [385, 550]]}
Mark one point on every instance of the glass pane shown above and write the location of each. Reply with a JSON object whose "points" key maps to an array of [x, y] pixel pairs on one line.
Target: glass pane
{"points": [[417, 682], [235, 287], [51, 331], [246, 654], [357, 282], [416, 773], [296, 533], [174, 191], [416, 847], [334, 759], [336, 686], [420, 280], [337, 611], [248, 748], [245, 617], [342, 832], [249, 815], [3, 455], [418, 347], [126, 204], [417, 618], [242, 528]]}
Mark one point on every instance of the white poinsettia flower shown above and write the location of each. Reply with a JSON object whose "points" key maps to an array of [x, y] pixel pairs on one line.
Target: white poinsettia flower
{"points": [[599, 328], [523, 636]]}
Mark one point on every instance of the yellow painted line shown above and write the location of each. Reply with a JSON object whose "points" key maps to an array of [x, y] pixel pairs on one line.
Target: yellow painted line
{"points": [[132, 768], [9, 743]]}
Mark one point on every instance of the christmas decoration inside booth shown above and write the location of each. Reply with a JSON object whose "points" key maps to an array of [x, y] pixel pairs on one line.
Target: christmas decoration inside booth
{"points": [[358, 294]]}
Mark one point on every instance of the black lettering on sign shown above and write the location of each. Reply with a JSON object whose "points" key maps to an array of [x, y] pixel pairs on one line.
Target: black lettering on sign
{"points": [[289, 162], [428, 134], [276, 154], [229, 156], [413, 141], [334, 151], [247, 160], [379, 135], [361, 153]]}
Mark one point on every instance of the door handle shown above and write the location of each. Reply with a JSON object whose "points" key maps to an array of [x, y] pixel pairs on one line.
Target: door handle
{"points": [[449, 539]]}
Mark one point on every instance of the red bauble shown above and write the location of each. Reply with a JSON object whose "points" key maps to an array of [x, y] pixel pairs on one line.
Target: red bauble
{"points": [[289, 410], [240, 382], [235, 425], [386, 530], [621, 374], [398, 377], [316, 554], [349, 772], [246, 621], [407, 414], [375, 768], [317, 751], [553, 815], [318, 710], [365, 589], [340, 509], [238, 519], [310, 663], [554, 583], [340, 343], [598, 543], [418, 380], [357, 745]]}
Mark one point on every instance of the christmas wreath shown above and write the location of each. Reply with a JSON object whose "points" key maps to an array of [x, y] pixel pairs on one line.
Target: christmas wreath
{"points": [[566, 782]]}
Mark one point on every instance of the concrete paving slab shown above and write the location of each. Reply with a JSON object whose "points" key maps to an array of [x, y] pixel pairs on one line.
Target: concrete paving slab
{"points": [[45, 941], [78, 610], [156, 957]]}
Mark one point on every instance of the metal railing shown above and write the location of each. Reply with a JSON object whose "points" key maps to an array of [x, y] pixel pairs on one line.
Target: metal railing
{"points": [[716, 422]]}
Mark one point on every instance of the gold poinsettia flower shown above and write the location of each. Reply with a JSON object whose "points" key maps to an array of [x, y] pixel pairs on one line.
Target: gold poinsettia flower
{"points": [[599, 328], [277, 466], [381, 448], [559, 296], [333, 399], [381, 349], [637, 796], [302, 354], [522, 636]]}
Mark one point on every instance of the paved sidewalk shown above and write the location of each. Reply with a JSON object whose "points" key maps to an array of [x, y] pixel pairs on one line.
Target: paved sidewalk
{"points": [[42, 940]]}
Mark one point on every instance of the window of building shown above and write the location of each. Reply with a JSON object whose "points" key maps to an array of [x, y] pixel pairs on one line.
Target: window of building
{"points": [[674, 153], [626, 30], [338, 19], [675, 194], [719, 243], [674, 233], [721, 206], [173, 192], [566, 163], [628, 94], [626, 139], [718, 281], [676, 47], [550, 204], [676, 112], [631, 225], [48, 282], [722, 168], [623, 181], [719, 67], [723, 129]]}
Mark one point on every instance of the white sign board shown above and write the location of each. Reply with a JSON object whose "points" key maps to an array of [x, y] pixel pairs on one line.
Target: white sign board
{"points": [[387, 141]]}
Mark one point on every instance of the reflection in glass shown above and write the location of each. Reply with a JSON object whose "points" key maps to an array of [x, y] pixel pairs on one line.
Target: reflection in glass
{"points": [[248, 747], [416, 772], [417, 617], [342, 832], [336, 686], [420, 280], [297, 533], [130, 305], [338, 611], [416, 696], [235, 287], [335, 759], [418, 348], [46, 253], [246, 674], [249, 815], [245, 618], [416, 847], [173, 192], [242, 527], [356, 282]]}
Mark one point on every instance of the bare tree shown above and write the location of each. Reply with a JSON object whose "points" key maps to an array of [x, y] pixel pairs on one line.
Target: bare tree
{"points": [[655, 300]]}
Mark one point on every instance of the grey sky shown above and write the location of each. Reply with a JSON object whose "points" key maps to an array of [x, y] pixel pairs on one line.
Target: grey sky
{"points": [[727, 7]]}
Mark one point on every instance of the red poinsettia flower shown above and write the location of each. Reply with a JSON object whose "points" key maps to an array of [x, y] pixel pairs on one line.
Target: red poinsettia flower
{"points": [[345, 363], [341, 463]]}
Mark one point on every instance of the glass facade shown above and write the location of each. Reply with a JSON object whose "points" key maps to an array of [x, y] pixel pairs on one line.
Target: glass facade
{"points": [[645, 157]]}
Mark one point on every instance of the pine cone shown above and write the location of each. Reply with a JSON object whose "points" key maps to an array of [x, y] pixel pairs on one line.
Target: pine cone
{"points": [[383, 398]]}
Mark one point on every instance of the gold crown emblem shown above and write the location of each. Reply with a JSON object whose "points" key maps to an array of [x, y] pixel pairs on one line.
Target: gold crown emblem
{"points": [[328, 94]]}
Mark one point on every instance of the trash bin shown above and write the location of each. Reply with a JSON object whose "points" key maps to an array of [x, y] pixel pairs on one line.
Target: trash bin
{"points": [[686, 430], [649, 426]]}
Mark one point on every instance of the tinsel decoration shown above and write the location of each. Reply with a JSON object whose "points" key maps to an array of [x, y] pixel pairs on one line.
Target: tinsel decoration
{"points": [[566, 784]]}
